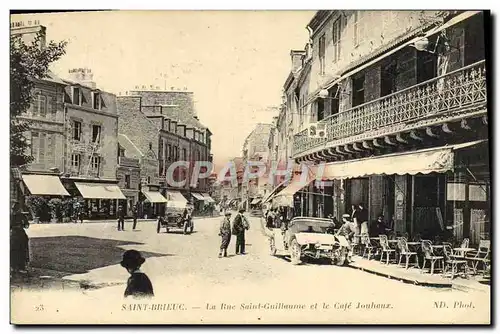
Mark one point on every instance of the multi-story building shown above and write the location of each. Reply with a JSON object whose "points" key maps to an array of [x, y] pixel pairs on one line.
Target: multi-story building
{"points": [[73, 135], [174, 133], [402, 96], [256, 148]]}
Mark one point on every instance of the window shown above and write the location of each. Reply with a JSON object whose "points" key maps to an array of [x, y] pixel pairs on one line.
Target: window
{"points": [[96, 100], [184, 154], [149, 179], [40, 105], [336, 39], [169, 152], [322, 54], [121, 152], [96, 134], [77, 130], [358, 87], [150, 146], [358, 28], [75, 161], [127, 181], [77, 96], [320, 105], [96, 163]]}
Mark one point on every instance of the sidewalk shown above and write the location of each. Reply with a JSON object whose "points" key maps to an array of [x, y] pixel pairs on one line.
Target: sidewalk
{"points": [[414, 276], [392, 271], [114, 220]]}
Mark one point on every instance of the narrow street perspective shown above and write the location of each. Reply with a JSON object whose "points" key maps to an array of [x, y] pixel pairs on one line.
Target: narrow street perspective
{"points": [[250, 167]]}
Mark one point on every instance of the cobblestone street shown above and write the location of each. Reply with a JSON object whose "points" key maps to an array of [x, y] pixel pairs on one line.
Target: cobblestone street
{"points": [[185, 269]]}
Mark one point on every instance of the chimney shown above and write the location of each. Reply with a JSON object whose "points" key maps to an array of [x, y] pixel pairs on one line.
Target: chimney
{"points": [[28, 31], [82, 76], [296, 56]]}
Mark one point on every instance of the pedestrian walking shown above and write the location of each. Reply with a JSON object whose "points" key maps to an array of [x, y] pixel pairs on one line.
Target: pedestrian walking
{"points": [[138, 285], [345, 235], [134, 215], [121, 218], [240, 224], [225, 234], [19, 241]]}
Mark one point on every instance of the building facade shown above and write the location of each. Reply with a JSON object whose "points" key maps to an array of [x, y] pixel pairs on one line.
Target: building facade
{"points": [[170, 131], [410, 88]]}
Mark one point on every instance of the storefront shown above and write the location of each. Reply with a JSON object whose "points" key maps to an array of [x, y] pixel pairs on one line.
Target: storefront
{"points": [[153, 202], [101, 200], [412, 189]]}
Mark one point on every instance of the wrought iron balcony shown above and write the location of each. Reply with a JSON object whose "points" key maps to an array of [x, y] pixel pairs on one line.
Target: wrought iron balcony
{"points": [[443, 96]]}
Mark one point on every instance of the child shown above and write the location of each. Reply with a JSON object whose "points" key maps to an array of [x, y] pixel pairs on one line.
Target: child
{"points": [[138, 285]]}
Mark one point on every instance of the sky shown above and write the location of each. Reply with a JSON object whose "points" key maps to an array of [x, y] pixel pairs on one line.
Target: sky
{"points": [[235, 62]]}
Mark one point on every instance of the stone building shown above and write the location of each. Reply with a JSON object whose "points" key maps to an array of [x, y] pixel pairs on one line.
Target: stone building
{"points": [[175, 134], [402, 98], [73, 136]]}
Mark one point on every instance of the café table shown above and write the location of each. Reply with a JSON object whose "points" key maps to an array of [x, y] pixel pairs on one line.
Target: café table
{"points": [[461, 251]]}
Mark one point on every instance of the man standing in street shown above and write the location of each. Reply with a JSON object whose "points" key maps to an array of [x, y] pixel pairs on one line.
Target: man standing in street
{"points": [[121, 218], [240, 224], [225, 234], [134, 215]]}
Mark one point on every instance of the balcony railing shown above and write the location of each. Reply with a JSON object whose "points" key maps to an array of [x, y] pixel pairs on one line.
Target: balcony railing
{"points": [[454, 91]]}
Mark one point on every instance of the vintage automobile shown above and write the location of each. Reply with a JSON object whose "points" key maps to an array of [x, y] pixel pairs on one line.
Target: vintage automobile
{"points": [[173, 219], [308, 237]]}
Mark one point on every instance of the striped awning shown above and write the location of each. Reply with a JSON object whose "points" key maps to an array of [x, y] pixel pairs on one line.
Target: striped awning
{"points": [[44, 185]]}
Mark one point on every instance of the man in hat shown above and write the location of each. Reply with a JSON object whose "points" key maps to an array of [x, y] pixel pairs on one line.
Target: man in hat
{"points": [[121, 218], [225, 233], [138, 284], [239, 226]]}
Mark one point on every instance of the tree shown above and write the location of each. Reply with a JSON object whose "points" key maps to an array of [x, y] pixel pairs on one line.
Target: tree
{"points": [[28, 63]]}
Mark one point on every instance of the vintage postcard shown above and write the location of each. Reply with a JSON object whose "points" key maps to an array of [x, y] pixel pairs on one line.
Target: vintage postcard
{"points": [[250, 167]]}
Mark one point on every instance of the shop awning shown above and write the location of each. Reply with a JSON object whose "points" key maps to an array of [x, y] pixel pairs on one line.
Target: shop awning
{"points": [[154, 197], [256, 201], [199, 197], [44, 185], [434, 160], [285, 196], [208, 198], [176, 200], [99, 190]]}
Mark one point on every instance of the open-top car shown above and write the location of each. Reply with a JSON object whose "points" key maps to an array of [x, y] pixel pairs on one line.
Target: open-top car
{"points": [[308, 237]]}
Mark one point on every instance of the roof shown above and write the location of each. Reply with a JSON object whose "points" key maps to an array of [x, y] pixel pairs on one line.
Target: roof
{"points": [[129, 146], [318, 19], [175, 113]]}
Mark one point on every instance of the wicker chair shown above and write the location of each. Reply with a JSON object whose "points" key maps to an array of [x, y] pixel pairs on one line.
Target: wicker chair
{"points": [[404, 250], [429, 256], [481, 256], [453, 262], [368, 247], [384, 243]]}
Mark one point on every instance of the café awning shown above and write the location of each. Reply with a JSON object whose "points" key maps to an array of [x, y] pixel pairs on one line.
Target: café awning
{"points": [[44, 185], [433, 160], [154, 197], [176, 200], [99, 190], [285, 196], [199, 197], [208, 198]]}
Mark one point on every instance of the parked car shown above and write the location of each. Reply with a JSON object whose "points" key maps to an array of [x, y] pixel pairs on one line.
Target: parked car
{"points": [[307, 237], [174, 220]]}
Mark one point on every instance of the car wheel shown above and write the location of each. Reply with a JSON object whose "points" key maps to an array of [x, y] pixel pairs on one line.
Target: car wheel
{"points": [[295, 252], [272, 246]]}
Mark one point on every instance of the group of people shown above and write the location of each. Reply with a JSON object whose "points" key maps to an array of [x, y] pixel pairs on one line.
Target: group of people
{"points": [[238, 228], [121, 212], [275, 218]]}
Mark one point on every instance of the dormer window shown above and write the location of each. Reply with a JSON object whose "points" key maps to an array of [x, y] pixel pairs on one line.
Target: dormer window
{"points": [[96, 100], [77, 96]]}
